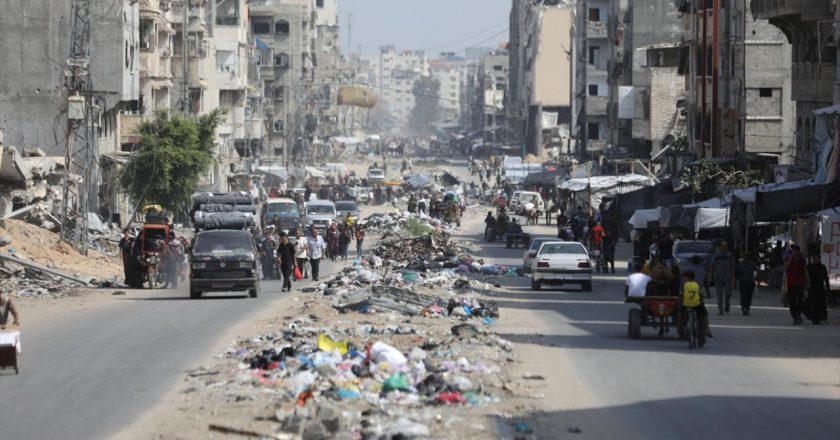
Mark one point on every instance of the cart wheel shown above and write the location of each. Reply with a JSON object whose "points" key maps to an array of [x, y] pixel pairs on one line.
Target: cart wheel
{"points": [[634, 324]]}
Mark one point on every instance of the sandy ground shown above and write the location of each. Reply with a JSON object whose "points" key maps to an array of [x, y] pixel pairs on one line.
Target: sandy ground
{"points": [[41, 246]]}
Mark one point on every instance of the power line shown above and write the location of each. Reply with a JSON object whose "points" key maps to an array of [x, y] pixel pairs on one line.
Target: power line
{"points": [[461, 40]]}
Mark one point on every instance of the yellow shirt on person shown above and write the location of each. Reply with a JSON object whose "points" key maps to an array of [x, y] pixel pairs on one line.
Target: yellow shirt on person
{"points": [[691, 294]]}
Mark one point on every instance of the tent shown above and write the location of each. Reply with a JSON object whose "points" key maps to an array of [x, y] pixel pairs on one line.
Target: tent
{"points": [[542, 178], [418, 180], [681, 216], [642, 217], [599, 187], [774, 206], [274, 170], [449, 180]]}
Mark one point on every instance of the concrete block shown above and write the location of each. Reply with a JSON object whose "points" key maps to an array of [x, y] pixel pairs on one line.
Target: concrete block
{"points": [[315, 430]]}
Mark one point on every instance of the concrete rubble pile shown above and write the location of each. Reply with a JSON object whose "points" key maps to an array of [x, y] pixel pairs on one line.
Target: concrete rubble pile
{"points": [[31, 189], [380, 352]]}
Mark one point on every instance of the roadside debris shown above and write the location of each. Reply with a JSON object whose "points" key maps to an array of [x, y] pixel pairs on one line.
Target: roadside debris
{"points": [[380, 350]]}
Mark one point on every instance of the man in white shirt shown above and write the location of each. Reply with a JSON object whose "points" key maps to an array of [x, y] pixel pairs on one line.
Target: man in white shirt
{"points": [[636, 284], [302, 252], [316, 247]]}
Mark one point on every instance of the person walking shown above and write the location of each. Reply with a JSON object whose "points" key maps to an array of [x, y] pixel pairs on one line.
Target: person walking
{"points": [[126, 242], [302, 253], [796, 275], [344, 238], [286, 257], [609, 245], [315, 250], [360, 239], [332, 241], [723, 274], [817, 303], [267, 247], [745, 273]]}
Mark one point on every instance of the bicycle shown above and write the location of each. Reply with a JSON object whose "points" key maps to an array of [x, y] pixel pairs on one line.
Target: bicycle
{"points": [[694, 332]]}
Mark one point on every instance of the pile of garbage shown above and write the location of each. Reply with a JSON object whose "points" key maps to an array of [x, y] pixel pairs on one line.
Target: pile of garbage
{"points": [[369, 380], [398, 345]]}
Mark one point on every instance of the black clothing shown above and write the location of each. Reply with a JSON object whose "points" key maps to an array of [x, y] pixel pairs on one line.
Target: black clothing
{"points": [[746, 290], [666, 249], [795, 298], [286, 254], [817, 309], [315, 264]]}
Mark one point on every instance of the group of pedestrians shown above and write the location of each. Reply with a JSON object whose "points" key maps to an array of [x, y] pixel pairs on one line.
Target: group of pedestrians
{"points": [[288, 257], [725, 273]]}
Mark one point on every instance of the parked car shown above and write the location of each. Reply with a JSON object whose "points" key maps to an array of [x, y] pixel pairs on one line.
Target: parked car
{"points": [[693, 255], [559, 263], [347, 207], [222, 261], [375, 176], [319, 213], [531, 253]]}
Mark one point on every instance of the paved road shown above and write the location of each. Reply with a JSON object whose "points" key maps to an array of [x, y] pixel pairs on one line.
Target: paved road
{"points": [[87, 375], [760, 377]]}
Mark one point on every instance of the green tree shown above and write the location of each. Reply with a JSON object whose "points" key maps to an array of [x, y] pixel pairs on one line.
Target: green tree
{"points": [[172, 154], [427, 108], [712, 180]]}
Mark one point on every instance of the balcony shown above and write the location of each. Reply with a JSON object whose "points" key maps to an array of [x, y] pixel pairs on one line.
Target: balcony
{"points": [[230, 20], [128, 124], [806, 10], [196, 77], [597, 105], [596, 29], [230, 80]]}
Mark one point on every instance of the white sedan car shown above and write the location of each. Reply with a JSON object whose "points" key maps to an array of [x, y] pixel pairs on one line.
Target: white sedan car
{"points": [[561, 262]]}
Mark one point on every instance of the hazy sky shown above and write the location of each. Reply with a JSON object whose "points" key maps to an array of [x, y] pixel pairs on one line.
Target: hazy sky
{"points": [[431, 25]]}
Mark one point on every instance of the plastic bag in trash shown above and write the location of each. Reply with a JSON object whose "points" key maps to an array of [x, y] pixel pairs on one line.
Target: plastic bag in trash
{"points": [[491, 269], [397, 382], [328, 345], [406, 428], [382, 352], [302, 381]]}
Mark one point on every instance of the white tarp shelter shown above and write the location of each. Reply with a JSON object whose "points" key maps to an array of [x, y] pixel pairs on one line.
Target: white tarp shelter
{"points": [[641, 218], [599, 187], [711, 218], [747, 195]]}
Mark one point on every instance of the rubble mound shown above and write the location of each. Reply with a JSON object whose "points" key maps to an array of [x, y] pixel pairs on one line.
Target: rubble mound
{"points": [[38, 245]]}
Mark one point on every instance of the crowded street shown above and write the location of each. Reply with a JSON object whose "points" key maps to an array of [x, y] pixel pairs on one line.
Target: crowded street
{"points": [[126, 356], [419, 220]]}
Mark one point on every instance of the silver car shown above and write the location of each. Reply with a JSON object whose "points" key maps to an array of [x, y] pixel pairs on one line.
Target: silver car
{"points": [[531, 253]]}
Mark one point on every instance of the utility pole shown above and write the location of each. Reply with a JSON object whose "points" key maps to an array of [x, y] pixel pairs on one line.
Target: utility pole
{"points": [[716, 78], [184, 101], [81, 154]]}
